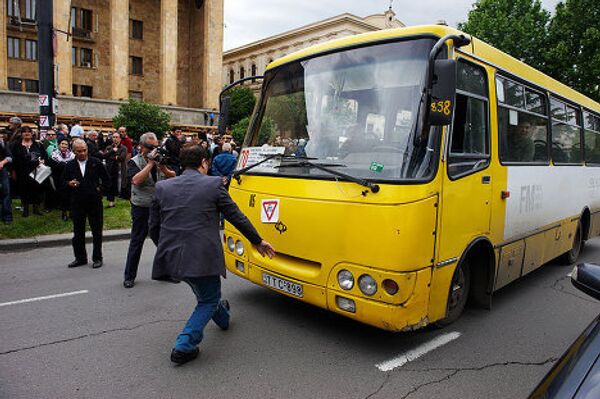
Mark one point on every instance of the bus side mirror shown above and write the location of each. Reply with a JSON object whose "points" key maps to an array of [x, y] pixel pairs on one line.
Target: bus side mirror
{"points": [[443, 91], [224, 114]]}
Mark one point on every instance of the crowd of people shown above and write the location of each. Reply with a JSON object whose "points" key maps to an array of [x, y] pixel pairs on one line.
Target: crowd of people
{"points": [[23, 150]]}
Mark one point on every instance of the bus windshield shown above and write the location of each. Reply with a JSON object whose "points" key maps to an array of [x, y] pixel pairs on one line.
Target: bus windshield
{"points": [[356, 111]]}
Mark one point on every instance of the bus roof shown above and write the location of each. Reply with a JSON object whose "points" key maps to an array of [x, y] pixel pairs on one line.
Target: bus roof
{"points": [[479, 49]]}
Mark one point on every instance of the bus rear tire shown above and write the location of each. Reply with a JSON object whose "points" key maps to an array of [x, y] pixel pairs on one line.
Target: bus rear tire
{"points": [[458, 295], [568, 258]]}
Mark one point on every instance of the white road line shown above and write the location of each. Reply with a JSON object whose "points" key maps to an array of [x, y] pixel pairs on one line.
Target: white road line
{"points": [[41, 298], [419, 351]]}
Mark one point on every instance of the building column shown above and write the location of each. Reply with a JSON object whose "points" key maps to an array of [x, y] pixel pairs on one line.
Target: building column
{"points": [[62, 57], [212, 53], [119, 54], [3, 48], [168, 51]]}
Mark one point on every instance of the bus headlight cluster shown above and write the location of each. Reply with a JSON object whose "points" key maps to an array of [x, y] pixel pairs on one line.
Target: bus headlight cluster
{"points": [[345, 279], [237, 246], [367, 284]]}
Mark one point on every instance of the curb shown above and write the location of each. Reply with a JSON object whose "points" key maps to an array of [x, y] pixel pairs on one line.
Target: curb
{"points": [[58, 240]]}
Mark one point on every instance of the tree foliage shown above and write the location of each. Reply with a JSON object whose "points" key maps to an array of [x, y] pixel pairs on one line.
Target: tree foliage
{"points": [[242, 104], [517, 27], [140, 117], [574, 54], [239, 130]]}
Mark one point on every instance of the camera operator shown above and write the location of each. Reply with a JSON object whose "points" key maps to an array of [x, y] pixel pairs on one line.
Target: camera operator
{"points": [[144, 170], [173, 145]]}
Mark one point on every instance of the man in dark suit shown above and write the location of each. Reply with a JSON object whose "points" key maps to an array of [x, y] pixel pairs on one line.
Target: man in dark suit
{"points": [[86, 177], [184, 220]]}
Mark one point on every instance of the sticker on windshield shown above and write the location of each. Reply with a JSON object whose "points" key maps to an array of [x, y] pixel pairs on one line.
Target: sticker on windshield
{"points": [[376, 167], [251, 155]]}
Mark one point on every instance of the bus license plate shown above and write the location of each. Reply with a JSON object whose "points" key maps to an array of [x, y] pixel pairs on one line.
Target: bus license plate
{"points": [[283, 285]]}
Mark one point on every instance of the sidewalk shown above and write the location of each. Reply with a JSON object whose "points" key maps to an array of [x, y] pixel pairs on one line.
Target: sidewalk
{"points": [[58, 240]]}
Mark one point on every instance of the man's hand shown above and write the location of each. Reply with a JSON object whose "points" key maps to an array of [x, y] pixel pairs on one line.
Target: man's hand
{"points": [[73, 183], [264, 248]]}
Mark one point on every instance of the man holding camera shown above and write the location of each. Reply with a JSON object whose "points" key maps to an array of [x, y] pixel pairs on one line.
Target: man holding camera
{"points": [[144, 170]]}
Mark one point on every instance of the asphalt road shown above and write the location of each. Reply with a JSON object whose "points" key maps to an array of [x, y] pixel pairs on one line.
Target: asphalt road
{"points": [[113, 343]]}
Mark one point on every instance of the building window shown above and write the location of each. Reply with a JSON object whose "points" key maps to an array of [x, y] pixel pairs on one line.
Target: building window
{"points": [[13, 47], [31, 50], [242, 73], [32, 86], [85, 19], [75, 90], [15, 84], [30, 9], [10, 8], [85, 91], [73, 56], [85, 57], [136, 66], [137, 29], [73, 17], [231, 76], [253, 69], [136, 95]]}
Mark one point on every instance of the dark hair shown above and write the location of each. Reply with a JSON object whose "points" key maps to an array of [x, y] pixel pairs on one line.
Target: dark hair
{"points": [[64, 139], [191, 156], [26, 129]]}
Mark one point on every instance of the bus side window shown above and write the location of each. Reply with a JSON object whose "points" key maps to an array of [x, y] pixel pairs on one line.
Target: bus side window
{"points": [[469, 143], [592, 139]]}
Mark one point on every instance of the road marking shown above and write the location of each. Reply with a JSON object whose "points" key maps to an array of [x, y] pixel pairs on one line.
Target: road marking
{"points": [[41, 298], [417, 352]]}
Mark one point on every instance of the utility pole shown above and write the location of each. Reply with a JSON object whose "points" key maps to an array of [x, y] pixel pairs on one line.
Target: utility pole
{"points": [[44, 13]]}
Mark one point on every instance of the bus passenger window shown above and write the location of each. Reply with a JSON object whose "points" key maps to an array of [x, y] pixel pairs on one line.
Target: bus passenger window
{"points": [[592, 138], [469, 144], [522, 124], [566, 137]]}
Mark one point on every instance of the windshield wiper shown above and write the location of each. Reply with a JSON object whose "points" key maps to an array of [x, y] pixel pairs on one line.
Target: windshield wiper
{"points": [[327, 168], [237, 173]]}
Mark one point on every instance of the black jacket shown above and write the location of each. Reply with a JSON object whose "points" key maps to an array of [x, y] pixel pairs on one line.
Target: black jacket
{"points": [[91, 186]]}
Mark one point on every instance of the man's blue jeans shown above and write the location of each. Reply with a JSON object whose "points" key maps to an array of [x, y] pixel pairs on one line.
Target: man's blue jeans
{"points": [[5, 200], [208, 293]]}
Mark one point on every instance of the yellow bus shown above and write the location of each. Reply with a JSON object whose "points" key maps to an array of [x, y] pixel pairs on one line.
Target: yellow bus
{"points": [[401, 173]]}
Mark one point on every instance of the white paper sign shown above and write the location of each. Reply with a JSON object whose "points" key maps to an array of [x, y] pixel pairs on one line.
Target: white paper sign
{"points": [[269, 211], [43, 100], [513, 117], [44, 121], [251, 155]]}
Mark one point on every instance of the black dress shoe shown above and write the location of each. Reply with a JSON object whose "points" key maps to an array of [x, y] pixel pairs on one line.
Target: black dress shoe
{"points": [[97, 264], [128, 283], [225, 304], [77, 263], [184, 357]]}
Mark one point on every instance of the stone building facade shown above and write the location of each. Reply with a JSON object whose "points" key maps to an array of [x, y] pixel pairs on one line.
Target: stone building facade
{"points": [[253, 58], [166, 52]]}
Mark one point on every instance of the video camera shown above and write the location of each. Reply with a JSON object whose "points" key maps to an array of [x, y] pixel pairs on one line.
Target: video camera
{"points": [[159, 154]]}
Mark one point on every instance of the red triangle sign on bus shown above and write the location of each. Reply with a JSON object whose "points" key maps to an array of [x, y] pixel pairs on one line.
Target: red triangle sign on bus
{"points": [[269, 212]]}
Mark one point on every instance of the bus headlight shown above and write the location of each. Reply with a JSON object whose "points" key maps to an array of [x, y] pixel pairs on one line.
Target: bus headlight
{"points": [[345, 279], [390, 286], [230, 243], [239, 248], [367, 284]]}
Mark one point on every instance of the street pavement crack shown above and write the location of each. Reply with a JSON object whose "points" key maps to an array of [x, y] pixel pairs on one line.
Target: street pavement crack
{"points": [[385, 381], [455, 370], [558, 286], [94, 334]]}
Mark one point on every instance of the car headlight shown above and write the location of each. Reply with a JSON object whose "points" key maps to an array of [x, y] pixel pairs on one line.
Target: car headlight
{"points": [[239, 248], [367, 284], [230, 243], [345, 279]]}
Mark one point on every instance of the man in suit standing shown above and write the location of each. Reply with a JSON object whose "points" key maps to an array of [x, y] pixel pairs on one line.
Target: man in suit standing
{"points": [[184, 220], [86, 177]]}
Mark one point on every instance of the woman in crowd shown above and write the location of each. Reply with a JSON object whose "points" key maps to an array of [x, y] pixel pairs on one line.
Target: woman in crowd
{"points": [[115, 156], [60, 157], [27, 155]]}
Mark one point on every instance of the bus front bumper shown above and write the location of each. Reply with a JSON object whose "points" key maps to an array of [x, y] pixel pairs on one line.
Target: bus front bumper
{"points": [[410, 315]]}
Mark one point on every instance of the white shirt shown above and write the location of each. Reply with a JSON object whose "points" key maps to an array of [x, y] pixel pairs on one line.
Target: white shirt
{"points": [[82, 165], [76, 131]]}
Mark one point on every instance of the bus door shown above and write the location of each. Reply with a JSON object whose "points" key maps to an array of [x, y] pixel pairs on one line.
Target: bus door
{"points": [[465, 208]]}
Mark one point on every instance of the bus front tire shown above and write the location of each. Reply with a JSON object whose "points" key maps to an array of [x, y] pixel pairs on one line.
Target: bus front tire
{"points": [[570, 257], [457, 295]]}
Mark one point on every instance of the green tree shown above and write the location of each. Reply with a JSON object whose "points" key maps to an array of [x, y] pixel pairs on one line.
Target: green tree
{"points": [[517, 27], [242, 103], [239, 130], [140, 117], [573, 56]]}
